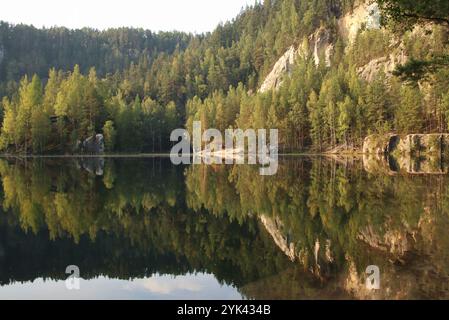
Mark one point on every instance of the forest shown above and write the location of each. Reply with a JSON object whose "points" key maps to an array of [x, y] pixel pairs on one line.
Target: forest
{"points": [[61, 86]]}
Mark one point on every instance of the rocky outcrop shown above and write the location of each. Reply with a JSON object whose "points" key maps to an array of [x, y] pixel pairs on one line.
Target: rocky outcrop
{"points": [[377, 144], [394, 285], [412, 153], [92, 145], [321, 45], [398, 56], [282, 67], [365, 15], [411, 144], [385, 64]]}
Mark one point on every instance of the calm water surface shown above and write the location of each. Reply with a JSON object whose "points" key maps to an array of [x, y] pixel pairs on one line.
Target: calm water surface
{"points": [[144, 229]]}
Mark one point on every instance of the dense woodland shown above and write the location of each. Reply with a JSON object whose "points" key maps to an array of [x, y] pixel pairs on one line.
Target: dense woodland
{"points": [[134, 86]]}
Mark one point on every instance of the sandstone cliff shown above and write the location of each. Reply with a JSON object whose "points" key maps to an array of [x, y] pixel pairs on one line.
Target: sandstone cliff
{"points": [[365, 15], [281, 68], [385, 64], [412, 153], [321, 43], [410, 144]]}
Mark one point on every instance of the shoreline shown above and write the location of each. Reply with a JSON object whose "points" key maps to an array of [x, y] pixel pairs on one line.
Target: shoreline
{"points": [[161, 155]]}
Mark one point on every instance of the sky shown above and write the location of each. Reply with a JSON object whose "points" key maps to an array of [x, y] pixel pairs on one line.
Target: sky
{"points": [[195, 16], [186, 287]]}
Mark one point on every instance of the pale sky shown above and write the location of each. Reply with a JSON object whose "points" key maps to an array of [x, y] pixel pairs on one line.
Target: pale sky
{"points": [[167, 15]]}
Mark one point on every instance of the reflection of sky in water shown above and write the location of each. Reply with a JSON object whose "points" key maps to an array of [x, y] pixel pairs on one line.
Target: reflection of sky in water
{"points": [[192, 286]]}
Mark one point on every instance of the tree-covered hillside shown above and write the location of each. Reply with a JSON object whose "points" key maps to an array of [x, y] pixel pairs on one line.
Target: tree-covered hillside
{"points": [[61, 86]]}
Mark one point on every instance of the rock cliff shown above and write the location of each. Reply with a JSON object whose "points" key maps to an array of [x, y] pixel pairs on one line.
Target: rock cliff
{"points": [[92, 145], [282, 67], [410, 144], [412, 153], [386, 64], [321, 43], [365, 15]]}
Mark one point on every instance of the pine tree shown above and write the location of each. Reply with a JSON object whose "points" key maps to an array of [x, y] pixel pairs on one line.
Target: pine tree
{"points": [[69, 109], [377, 105], [8, 130], [40, 129], [30, 99], [344, 119], [51, 90], [109, 134], [409, 117], [316, 122]]}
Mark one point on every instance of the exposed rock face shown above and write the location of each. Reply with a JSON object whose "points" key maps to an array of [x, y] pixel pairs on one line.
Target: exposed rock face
{"points": [[367, 15], [412, 153], [417, 144], [423, 276], [386, 64], [283, 66], [321, 43], [431, 143], [92, 145], [399, 56], [393, 285], [378, 144]]}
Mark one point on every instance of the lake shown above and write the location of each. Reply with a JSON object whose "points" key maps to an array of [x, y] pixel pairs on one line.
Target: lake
{"points": [[142, 228]]}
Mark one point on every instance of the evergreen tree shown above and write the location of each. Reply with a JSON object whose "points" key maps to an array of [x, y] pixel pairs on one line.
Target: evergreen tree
{"points": [[409, 117], [109, 135], [316, 122], [344, 119], [377, 105]]}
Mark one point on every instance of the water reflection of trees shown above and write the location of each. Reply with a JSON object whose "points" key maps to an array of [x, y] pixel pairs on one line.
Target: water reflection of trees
{"points": [[131, 222], [310, 231], [335, 219]]}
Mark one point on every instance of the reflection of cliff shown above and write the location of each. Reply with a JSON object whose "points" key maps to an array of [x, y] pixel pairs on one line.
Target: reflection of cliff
{"points": [[308, 232], [412, 154], [333, 220], [416, 144], [273, 227], [415, 165], [94, 165]]}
